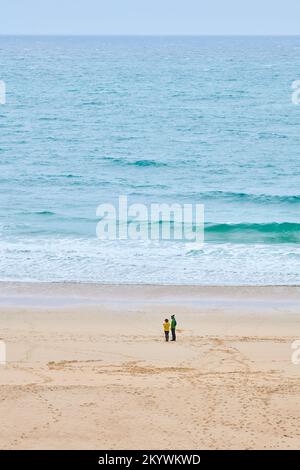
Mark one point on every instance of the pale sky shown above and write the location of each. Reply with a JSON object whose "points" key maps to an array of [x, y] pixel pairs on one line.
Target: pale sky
{"points": [[101, 17]]}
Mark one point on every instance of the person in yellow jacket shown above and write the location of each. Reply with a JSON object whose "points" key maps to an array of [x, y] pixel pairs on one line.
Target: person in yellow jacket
{"points": [[167, 329]]}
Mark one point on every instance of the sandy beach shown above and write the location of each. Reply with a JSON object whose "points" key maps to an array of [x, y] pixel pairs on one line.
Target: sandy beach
{"points": [[87, 367]]}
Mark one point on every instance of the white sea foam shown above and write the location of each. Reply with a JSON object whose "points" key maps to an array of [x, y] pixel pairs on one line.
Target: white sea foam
{"points": [[90, 260]]}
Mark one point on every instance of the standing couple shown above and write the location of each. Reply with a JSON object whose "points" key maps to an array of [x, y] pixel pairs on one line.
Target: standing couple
{"points": [[172, 326]]}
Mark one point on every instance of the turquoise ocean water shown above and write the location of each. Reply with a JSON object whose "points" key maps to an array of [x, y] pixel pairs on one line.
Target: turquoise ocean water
{"points": [[187, 120]]}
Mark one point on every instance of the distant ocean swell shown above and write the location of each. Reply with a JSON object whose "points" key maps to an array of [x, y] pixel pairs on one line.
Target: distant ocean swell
{"points": [[248, 197]]}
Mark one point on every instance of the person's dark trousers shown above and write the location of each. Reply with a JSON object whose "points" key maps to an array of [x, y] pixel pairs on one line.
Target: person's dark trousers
{"points": [[167, 335], [173, 334]]}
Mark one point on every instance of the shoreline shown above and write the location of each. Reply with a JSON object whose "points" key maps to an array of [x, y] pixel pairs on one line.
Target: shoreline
{"points": [[149, 284], [45, 294]]}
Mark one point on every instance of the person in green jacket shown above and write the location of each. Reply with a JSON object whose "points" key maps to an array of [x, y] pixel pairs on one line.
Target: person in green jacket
{"points": [[173, 327]]}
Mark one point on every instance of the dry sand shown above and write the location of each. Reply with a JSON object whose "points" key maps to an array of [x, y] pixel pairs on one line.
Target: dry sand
{"points": [[87, 367]]}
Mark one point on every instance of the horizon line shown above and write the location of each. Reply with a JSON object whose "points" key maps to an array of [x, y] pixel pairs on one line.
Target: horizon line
{"points": [[146, 35]]}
